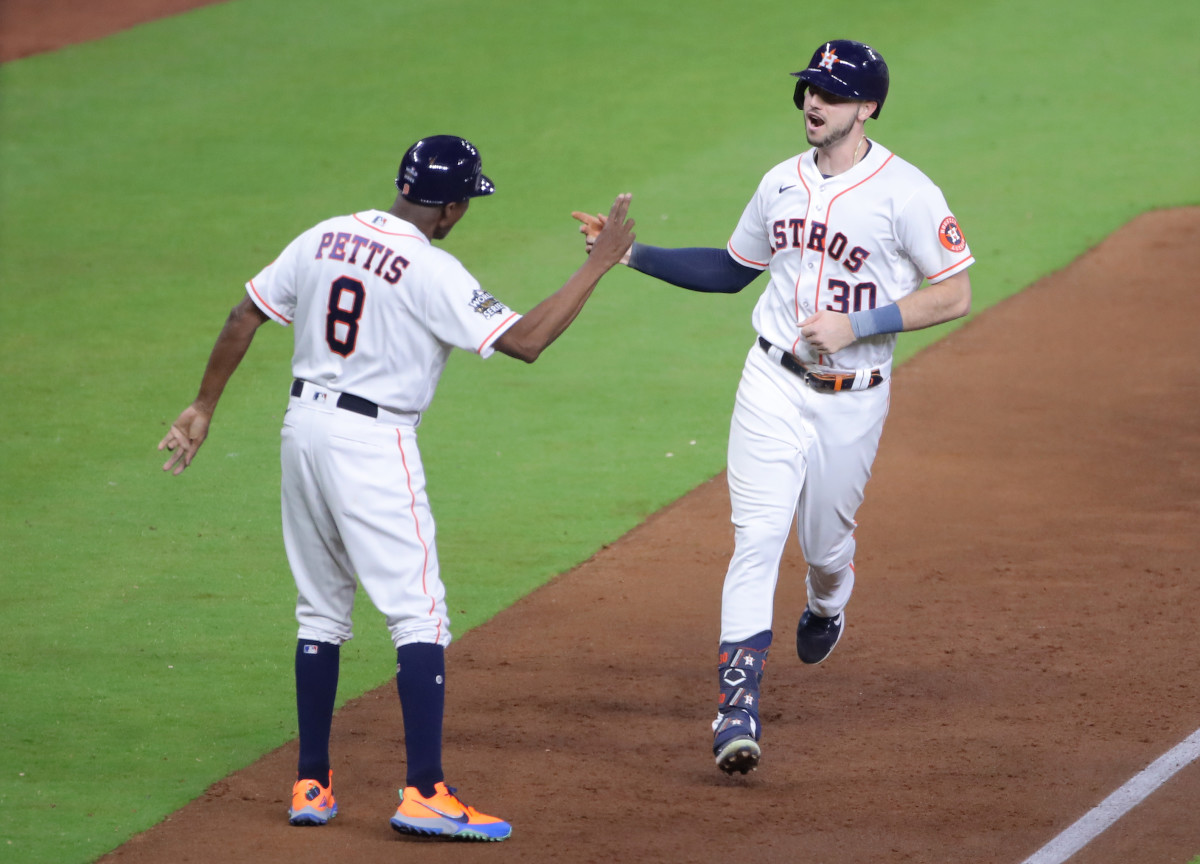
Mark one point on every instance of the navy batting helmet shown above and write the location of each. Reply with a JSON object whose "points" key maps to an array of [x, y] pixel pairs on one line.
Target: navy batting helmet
{"points": [[442, 169], [848, 69]]}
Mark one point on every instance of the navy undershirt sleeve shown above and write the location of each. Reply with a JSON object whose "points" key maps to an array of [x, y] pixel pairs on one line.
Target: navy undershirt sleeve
{"points": [[713, 271]]}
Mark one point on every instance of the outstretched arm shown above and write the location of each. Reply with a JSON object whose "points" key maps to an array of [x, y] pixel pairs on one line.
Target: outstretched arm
{"points": [[545, 322], [705, 269], [191, 427]]}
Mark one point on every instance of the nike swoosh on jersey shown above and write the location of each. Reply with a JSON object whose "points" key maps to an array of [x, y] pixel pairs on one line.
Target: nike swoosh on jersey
{"points": [[783, 188]]}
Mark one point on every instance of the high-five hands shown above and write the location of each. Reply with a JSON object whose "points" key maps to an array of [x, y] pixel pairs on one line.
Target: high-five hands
{"points": [[592, 226]]}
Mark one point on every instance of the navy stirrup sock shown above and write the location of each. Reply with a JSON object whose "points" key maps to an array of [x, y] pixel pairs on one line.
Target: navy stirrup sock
{"points": [[740, 666], [316, 691], [420, 681]]}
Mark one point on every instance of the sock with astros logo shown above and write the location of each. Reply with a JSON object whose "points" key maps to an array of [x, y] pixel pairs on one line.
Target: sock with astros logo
{"points": [[740, 667]]}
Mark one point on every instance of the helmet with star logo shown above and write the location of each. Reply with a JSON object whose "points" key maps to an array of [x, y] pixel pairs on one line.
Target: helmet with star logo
{"points": [[848, 69]]}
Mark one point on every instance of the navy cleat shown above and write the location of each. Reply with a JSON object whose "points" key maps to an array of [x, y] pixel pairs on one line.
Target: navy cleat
{"points": [[816, 637], [734, 744]]}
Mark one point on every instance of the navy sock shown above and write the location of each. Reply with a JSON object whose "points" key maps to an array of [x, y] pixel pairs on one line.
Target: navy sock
{"points": [[420, 681], [316, 690]]}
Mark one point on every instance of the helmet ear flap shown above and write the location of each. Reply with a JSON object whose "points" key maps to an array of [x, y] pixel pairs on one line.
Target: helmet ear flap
{"points": [[798, 96]]}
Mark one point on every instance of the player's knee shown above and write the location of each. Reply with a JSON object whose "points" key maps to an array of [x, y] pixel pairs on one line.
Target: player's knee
{"points": [[834, 563]]}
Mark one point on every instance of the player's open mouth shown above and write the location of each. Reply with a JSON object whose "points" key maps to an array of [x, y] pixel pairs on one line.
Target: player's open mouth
{"points": [[814, 120]]}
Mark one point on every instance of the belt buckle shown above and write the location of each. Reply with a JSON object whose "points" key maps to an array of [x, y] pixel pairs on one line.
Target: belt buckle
{"points": [[819, 382], [810, 378]]}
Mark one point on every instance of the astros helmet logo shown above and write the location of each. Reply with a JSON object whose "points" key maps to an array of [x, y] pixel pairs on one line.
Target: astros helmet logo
{"points": [[828, 58]]}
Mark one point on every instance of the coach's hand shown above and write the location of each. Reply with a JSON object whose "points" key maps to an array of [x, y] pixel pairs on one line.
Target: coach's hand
{"points": [[187, 434], [590, 229], [615, 237]]}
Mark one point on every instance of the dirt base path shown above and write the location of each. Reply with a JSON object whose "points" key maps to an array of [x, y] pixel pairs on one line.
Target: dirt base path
{"points": [[30, 27], [1022, 640]]}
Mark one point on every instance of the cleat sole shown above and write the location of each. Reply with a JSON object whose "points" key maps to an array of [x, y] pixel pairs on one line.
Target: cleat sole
{"points": [[438, 831], [739, 756]]}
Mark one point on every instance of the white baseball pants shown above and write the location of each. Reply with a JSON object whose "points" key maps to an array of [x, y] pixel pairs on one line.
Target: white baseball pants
{"points": [[796, 455], [354, 503]]}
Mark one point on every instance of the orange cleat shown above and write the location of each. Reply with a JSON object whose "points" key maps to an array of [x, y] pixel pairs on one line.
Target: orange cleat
{"points": [[312, 803], [443, 815]]}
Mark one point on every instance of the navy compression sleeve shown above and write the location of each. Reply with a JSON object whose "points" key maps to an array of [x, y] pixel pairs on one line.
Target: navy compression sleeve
{"points": [[713, 271]]}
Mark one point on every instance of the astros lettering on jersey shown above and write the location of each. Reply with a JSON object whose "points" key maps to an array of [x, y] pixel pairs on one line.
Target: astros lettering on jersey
{"points": [[855, 241]]}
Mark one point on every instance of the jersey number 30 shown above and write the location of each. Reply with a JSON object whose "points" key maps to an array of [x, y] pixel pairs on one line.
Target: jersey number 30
{"points": [[851, 298], [346, 298]]}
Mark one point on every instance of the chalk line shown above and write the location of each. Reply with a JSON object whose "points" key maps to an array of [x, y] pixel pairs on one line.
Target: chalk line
{"points": [[1118, 803]]}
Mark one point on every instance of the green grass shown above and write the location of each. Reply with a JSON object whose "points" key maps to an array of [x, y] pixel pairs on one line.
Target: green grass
{"points": [[145, 177]]}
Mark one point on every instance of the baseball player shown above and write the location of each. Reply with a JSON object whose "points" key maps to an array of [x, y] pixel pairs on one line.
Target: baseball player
{"points": [[848, 232], [375, 310]]}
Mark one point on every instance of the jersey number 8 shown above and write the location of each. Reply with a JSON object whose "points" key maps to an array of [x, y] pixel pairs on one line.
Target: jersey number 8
{"points": [[341, 324]]}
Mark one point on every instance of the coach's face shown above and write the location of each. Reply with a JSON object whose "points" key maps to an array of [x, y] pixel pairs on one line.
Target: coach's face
{"points": [[828, 118]]}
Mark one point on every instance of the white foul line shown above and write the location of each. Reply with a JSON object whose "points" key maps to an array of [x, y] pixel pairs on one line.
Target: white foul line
{"points": [[1118, 803]]}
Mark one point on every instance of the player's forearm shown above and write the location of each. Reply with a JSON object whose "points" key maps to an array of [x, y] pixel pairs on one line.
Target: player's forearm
{"points": [[546, 321], [227, 353], [937, 304], [705, 269]]}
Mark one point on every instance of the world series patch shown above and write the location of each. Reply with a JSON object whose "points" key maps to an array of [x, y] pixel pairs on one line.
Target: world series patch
{"points": [[950, 235], [485, 304]]}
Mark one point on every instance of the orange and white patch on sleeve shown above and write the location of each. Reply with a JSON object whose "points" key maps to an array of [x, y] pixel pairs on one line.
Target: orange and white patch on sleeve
{"points": [[951, 236]]}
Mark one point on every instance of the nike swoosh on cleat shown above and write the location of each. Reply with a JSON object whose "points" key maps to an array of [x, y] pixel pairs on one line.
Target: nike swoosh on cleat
{"points": [[464, 819]]}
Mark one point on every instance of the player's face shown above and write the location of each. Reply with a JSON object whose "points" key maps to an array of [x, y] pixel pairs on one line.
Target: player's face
{"points": [[828, 119]]}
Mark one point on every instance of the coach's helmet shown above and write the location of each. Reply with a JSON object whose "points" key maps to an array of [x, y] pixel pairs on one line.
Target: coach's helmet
{"points": [[442, 169], [848, 69]]}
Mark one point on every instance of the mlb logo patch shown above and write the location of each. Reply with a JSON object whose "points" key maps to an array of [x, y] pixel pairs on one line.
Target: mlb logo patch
{"points": [[310, 649]]}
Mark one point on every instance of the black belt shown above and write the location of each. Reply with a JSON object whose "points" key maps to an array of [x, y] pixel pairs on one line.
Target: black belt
{"points": [[346, 401], [833, 382]]}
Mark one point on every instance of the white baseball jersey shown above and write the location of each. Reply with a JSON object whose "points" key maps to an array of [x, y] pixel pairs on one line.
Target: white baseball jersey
{"points": [[854, 241], [377, 308]]}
